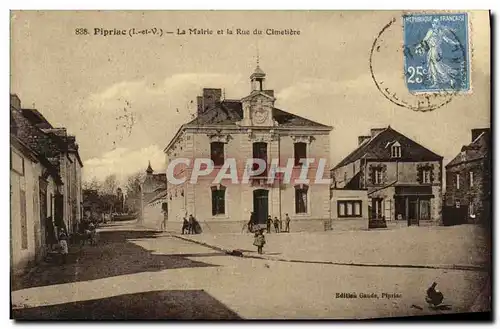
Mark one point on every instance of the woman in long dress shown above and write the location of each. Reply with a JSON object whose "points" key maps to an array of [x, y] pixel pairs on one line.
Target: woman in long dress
{"points": [[440, 73]]}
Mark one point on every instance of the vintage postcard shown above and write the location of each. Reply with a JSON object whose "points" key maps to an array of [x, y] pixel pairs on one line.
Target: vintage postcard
{"points": [[240, 165]]}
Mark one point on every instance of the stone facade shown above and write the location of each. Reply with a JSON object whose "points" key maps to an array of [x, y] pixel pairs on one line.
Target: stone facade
{"points": [[398, 178], [472, 169], [238, 128]]}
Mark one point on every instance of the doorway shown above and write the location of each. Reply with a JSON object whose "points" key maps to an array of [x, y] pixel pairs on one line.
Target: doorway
{"points": [[261, 206], [413, 215], [41, 238]]}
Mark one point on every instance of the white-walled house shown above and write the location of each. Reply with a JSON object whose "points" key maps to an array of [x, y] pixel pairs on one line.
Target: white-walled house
{"points": [[33, 182], [45, 185]]}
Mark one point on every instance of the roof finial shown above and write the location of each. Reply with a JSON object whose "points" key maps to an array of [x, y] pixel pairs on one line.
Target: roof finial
{"points": [[258, 58]]}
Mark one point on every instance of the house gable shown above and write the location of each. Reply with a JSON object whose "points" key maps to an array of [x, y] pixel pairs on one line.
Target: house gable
{"points": [[379, 148]]}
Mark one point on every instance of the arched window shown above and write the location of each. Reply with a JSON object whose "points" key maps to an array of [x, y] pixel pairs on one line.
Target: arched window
{"points": [[218, 200], [301, 199]]}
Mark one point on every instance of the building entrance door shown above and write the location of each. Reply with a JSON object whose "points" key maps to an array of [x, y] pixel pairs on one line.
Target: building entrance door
{"points": [[261, 206], [413, 212]]}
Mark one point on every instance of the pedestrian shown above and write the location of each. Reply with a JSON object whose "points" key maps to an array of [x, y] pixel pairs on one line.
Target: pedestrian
{"points": [[281, 224], [276, 224], [269, 223], [92, 234], [259, 240], [164, 221], [251, 222], [185, 225], [191, 224], [287, 223], [63, 245]]}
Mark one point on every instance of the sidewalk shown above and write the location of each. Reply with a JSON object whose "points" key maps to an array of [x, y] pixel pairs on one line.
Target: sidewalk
{"points": [[458, 247]]}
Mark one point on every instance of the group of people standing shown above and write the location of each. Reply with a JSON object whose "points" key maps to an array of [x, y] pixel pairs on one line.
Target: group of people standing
{"points": [[278, 224], [191, 225]]}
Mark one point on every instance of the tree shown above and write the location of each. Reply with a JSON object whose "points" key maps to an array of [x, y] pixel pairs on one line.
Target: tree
{"points": [[133, 194], [92, 184], [134, 182], [110, 184]]}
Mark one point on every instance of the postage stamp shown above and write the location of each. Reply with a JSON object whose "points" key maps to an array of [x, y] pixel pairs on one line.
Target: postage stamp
{"points": [[436, 52]]}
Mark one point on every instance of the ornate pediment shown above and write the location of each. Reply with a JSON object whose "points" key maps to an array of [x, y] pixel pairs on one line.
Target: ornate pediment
{"points": [[302, 139], [262, 136], [218, 136]]}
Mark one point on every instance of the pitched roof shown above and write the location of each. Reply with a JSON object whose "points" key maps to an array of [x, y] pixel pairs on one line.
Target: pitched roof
{"points": [[377, 148], [478, 149], [229, 112], [36, 118]]}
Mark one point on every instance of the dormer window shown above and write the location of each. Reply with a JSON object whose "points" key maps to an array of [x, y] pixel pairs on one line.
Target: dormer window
{"points": [[396, 150]]}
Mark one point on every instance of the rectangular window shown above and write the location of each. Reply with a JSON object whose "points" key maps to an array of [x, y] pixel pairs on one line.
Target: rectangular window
{"points": [[301, 200], [349, 208], [426, 176], [471, 178], [300, 152], [341, 208], [217, 153], [377, 176], [357, 209], [458, 181], [259, 151], [218, 201], [24, 223]]}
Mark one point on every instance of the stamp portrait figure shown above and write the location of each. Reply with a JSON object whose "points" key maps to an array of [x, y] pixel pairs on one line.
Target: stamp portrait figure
{"points": [[439, 71]]}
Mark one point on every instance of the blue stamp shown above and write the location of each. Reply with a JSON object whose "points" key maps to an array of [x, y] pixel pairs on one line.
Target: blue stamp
{"points": [[436, 52]]}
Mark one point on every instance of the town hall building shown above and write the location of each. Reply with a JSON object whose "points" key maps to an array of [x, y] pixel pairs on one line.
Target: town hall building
{"points": [[241, 129]]}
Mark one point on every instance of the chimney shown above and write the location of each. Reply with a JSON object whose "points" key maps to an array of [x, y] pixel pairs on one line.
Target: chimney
{"points": [[478, 131], [199, 101], [210, 97], [61, 132], [15, 102], [362, 139], [269, 92], [375, 131]]}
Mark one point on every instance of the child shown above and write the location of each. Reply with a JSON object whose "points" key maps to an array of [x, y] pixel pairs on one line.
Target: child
{"points": [[259, 240], [63, 244], [92, 234]]}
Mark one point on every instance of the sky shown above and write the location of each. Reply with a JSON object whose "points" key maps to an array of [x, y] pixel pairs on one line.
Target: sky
{"points": [[125, 97]]}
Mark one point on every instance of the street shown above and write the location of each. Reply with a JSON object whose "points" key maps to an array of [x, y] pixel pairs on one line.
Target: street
{"points": [[137, 274]]}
